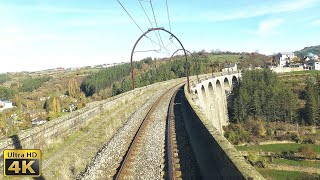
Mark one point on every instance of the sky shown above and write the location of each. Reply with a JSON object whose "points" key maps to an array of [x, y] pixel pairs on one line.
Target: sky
{"points": [[44, 34]]}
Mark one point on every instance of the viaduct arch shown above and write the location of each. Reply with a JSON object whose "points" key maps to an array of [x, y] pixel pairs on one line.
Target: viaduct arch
{"points": [[211, 95]]}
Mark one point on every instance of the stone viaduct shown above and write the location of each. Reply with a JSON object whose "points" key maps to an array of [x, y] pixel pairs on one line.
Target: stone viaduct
{"points": [[212, 95]]}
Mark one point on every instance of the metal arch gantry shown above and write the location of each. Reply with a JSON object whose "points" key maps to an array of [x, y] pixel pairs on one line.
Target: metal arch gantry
{"points": [[172, 35]]}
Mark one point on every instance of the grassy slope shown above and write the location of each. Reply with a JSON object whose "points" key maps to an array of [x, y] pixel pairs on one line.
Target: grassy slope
{"points": [[306, 72], [232, 58], [279, 175], [297, 162], [277, 148]]}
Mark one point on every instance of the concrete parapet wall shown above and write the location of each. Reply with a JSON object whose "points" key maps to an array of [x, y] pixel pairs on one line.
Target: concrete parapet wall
{"points": [[231, 163]]}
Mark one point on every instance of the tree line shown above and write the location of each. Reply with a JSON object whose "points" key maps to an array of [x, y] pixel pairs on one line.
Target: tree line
{"points": [[147, 71]]}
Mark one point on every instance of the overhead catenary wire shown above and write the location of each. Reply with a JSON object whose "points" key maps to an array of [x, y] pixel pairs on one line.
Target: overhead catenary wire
{"points": [[155, 21], [170, 38], [168, 15], [138, 25], [145, 12], [150, 50]]}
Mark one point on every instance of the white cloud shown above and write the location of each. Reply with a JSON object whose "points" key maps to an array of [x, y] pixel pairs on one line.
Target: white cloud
{"points": [[268, 27], [10, 29], [316, 22]]}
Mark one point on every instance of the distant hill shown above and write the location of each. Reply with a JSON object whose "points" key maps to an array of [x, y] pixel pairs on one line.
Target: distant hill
{"points": [[305, 51]]}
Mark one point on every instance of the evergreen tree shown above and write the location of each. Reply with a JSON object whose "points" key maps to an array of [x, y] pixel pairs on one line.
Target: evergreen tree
{"points": [[312, 102], [261, 94]]}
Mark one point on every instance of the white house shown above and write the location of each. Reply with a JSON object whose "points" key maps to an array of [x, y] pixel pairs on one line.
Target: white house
{"points": [[284, 58], [317, 65], [287, 55], [5, 105], [312, 65]]}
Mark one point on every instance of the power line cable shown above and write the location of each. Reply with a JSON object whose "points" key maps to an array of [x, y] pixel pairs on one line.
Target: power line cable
{"points": [[150, 50], [170, 38], [168, 14], [149, 20], [155, 20], [137, 24]]}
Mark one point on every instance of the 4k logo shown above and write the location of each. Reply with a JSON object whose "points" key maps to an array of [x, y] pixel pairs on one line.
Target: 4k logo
{"points": [[22, 162]]}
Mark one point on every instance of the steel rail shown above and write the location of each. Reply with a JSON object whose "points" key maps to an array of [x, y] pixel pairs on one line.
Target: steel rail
{"points": [[171, 149], [138, 135]]}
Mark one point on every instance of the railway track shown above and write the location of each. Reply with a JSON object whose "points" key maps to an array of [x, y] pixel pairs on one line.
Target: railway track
{"points": [[173, 162], [169, 167]]}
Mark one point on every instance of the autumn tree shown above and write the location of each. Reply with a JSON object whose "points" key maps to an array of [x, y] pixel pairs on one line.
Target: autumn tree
{"points": [[73, 88], [17, 101], [53, 107]]}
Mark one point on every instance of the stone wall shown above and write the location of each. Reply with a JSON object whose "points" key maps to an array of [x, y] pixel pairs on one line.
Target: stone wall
{"points": [[39, 136], [286, 69], [231, 163]]}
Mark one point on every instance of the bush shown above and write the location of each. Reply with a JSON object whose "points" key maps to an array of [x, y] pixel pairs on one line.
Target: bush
{"points": [[231, 136], [236, 134], [307, 151], [255, 160]]}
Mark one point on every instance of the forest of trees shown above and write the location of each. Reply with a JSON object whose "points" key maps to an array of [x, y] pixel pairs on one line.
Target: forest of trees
{"points": [[262, 96], [312, 97], [30, 84], [147, 71], [6, 93], [4, 78], [104, 78]]}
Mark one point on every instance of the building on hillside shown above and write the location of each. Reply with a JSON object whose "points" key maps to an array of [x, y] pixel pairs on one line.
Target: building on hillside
{"points": [[283, 59], [229, 67], [5, 104], [312, 65], [60, 69]]}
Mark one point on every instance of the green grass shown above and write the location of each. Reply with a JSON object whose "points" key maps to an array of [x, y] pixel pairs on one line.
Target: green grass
{"points": [[296, 162], [277, 148], [304, 72], [279, 175], [223, 57]]}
